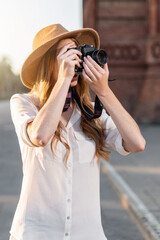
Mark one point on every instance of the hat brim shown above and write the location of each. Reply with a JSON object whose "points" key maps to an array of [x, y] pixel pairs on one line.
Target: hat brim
{"points": [[30, 66]]}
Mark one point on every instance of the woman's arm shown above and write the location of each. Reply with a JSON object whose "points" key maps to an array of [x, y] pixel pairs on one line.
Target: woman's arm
{"points": [[43, 127], [97, 78], [45, 123], [132, 139]]}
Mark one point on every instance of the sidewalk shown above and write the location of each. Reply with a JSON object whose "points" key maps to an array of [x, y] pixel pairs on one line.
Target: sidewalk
{"points": [[141, 172], [116, 221]]}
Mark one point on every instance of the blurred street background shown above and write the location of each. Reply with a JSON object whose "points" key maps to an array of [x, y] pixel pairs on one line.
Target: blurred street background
{"points": [[130, 33]]}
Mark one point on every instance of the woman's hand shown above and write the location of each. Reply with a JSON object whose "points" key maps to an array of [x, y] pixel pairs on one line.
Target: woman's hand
{"points": [[67, 60], [95, 76]]}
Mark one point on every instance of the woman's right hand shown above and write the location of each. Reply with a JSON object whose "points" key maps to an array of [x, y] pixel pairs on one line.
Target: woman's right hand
{"points": [[66, 62]]}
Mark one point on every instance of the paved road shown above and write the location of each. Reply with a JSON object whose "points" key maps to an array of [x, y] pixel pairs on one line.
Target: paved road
{"points": [[116, 221], [142, 170]]}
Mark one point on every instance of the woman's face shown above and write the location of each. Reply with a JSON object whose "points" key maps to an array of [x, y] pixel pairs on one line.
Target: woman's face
{"points": [[61, 44]]}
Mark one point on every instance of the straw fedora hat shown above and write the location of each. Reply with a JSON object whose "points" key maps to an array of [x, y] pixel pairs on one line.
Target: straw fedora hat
{"points": [[45, 39]]}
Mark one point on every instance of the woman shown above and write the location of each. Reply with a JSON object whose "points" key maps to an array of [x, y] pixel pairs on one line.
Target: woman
{"points": [[60, 147]]}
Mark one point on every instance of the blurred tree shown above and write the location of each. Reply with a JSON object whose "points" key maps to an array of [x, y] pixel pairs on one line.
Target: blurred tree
{"points": [[9, 82]]}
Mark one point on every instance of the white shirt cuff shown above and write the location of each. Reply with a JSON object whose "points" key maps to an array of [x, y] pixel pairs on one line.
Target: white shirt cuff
{"points": [[24, 134]]}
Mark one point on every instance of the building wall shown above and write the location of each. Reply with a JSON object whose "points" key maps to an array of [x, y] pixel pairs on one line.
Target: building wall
{"points": [[130, 33]]}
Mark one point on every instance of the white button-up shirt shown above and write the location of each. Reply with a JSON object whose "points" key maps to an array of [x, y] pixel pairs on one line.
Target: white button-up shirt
{"points": [[57, 203]]}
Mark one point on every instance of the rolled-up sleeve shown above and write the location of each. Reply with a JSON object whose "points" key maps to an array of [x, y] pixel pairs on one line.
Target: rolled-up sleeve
{"points": [[22, 111], [113, 136]]}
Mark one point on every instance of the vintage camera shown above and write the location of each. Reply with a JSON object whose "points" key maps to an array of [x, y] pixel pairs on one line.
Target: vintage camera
{"points": [[100, 56]]}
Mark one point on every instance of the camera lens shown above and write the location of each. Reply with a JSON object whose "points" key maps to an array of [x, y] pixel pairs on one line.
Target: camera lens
{"points": [[100, 56]]}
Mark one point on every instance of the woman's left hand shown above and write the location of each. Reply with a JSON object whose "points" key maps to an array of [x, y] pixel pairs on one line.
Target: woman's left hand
{"points": [[95, 75]]}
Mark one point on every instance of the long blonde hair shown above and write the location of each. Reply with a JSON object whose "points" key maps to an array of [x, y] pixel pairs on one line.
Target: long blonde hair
{"points": [[41, 92]]}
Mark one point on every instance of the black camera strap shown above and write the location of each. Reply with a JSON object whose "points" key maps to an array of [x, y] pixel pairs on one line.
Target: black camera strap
{"points": [[68, 100], [98, 106]]}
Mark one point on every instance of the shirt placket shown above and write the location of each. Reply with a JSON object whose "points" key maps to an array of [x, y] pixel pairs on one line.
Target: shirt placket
{"points": [[68, 217]]}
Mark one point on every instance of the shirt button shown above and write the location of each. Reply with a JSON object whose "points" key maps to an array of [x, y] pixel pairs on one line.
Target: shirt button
{"points": [[66, 234], [68, 200], [68, 217]]}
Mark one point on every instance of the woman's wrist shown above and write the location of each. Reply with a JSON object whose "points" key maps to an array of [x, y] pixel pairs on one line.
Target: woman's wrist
{"points": [[105, 93], [64, 80], [110, 101]]}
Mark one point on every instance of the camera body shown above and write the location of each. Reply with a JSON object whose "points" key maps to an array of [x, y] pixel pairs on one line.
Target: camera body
{"points": [[100, 56]]}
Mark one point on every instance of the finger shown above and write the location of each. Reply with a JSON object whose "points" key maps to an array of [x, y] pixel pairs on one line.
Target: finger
{"points": [[72, 51], [86, 78], [75, 63], [96, 66], [73, 57], [105, 67], [92, 68], [64, 49], [88, 72]]}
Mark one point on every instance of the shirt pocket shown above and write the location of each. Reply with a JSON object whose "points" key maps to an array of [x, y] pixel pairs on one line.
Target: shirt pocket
{"points": [[86, 147]]}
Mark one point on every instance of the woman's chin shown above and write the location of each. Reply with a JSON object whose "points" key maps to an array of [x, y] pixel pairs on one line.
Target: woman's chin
{"points": [[74, 82]]}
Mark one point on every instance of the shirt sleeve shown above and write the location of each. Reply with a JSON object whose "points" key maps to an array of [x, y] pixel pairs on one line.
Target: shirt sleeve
{"points": [[23, 111], [113, 136]]}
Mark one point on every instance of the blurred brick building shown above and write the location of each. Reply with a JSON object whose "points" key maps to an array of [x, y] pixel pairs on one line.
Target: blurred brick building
{"points": [[130, 32]]}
